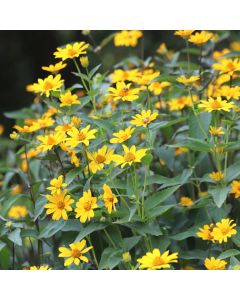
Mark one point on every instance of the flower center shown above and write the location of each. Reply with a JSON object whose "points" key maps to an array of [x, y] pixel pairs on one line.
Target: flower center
{"points": [[129, 157], [158, 261], [81, 136], [51, 141], [60, 204], [110, 199], [100, 159], [47, 86], [76, 253], [124, 92], [216, 104], [230, 66], [87, 205], [71, 52], [146, 120]]}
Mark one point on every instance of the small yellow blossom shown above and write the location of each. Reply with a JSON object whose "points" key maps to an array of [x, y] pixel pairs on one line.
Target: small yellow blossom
{"points": [[155, 260], [144, 118], [17, 211], [71, 51], [68, 99], [16, 189], [216, 130], [180, 150], [84, 61], [200, 38], [184, 33], [125, 75], [85, 207], [75, 253], [48, 85], [109, 199], [49, 141], [55, 68], [215, 105], [158, 87], [127, 38], [41, 268], [215, 264], [99, 158], [187, 80], [60, 204], [122, 135], [124, 92], [224, 230], [206, 233], [216, 176], [131, 155], [235, 188], [227, 66], [56, 185], [186, 201], [82, 136]]}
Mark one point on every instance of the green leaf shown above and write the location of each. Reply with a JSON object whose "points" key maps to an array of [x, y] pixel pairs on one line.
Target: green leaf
{"points": [[93, 71], [15, 236], [194, 254], [186, 234], [71, 175], [25, 113], [130, 242], [2, 245], [39, 207], [194, 128], [158, 211], [228, 253], [110, 258], [151, 228], [194, 144], [159, 197], [165, 124], [233, 171], [90, 228], [51, 228], [219, 195]]}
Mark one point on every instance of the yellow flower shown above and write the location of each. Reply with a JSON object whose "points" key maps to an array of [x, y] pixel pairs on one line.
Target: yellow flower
{"points": [[146, 77], [224, 230], [64, 128], [109, 198], [227, 66], [76, 121], [75, 253], [185, 80], [100, 158], [235, 46], [235, 188], [157, 87], [229, 92], [59, 205], [126, 256], [85, 207], [186, 201], [50, 140], [200, 38], [55, 68], [216, 130], [184, 33], [215, 264], [206, 233], [80, 136], [48, 85], [14, 135], [41, 268], [122, 135], [17, 211], [71, 50], [127, 38], [56, 185], [68, 99], [130, 156], [1, 129], [180, 150], [123, 75], [162, 49], [41, 123], [217, 55], [144, 118], [180, 103], [155, 260], [124, 92], [216, 104], [16, 189], [216, 176], [84, 61]]}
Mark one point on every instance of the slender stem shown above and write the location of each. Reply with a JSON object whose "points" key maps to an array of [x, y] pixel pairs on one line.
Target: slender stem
{"points": [[109, 238], [13, 256], [93, 251], [188, 55], [60, 161]]}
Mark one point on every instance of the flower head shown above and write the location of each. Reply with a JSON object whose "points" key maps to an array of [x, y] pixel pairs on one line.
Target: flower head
{"points": [[215, 264], [235, 188], [50, 140], [144, 118], [200, 38], [82, 136], [124, 92], [85, 206], [186, 201], [205, 233], [109, 199], [17, 212], [68, 99], [127, 38], [71, 51], [224, 230], [56, 185], [187, 80], [131, 155], [215, 104], [227, 66], [40, 268], [75, 253], [216, 176], [122, 135], [99, 158], [184, 33], [48, 85], [216, 130], [59, 205], [155, 260], [158, 87], [55, 68]]}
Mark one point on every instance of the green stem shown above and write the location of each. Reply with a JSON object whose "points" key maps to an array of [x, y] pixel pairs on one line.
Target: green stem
{"points": [[109, 238], [93, 251]]}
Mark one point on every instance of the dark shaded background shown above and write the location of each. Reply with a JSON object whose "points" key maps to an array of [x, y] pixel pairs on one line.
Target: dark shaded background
{"points": [[23, 53]]}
